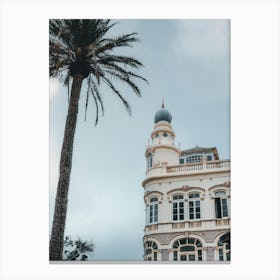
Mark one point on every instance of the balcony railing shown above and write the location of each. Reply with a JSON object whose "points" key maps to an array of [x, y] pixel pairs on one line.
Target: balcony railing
{"points": [[211, 224], [198, 166]]}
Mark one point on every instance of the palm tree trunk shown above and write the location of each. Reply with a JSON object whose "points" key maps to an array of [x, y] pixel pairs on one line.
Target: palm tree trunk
{"points": [[58, 226]]}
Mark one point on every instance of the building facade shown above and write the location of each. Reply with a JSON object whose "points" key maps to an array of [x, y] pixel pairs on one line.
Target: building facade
{"points": [[187, 198]]}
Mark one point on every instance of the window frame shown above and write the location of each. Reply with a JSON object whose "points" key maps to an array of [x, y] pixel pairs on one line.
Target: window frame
{"points": [[153, 210], [221, 204], [223, 247], [196, 198], [187, 242], [153, 253], [149, 160], [178, 201]]}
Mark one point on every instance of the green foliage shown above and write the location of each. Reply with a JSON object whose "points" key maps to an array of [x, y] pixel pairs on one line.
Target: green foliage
{"points": [[75, 250], [81, 47]]}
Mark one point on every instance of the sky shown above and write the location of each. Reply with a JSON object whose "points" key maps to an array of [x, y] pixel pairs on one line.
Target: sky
{"points": [[185, 61]]}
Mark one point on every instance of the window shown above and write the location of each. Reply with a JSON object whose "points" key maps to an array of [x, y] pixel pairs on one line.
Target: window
{"points": [[221, 207], [182, 161], [187, 249], [151, 251], [165, 134], [194, 206], [178, 207], [209, 158], [224, 247], [153, 210], [193, 158], [149, 160]]}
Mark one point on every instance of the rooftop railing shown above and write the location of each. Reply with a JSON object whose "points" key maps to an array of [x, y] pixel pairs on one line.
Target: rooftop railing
{"points": [[198, 166]]}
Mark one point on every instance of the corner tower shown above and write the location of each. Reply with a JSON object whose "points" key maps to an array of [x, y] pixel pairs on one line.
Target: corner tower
{"points": [[187, 199]]}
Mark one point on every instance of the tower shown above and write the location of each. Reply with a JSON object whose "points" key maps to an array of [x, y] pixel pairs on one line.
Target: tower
{"points": [[162, 151], [187, 199]]}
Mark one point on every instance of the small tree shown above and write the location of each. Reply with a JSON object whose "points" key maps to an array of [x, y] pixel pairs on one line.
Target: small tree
{"points": [[75, 250]]}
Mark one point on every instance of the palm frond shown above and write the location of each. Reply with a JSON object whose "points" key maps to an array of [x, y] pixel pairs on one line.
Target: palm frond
{"points": [[125, 103]]}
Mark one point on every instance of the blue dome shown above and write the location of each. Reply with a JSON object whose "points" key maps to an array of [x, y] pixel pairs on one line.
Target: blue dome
{"points": [[163, 115]]}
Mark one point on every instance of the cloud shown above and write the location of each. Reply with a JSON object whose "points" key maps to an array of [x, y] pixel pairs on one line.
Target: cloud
{"points": [[203, 38], [54, 87]]}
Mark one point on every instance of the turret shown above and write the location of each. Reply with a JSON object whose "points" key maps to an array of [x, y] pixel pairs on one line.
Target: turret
{"points": [[162, 151]]}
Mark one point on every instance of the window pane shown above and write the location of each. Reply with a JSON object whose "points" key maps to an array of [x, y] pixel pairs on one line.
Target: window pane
{"points": [[182, 161], [191, 203], [155, 256], [183, 241], [192, 257], [224, 205], [218, 208], [221, 255], [183, 258], [198, 215], [175, 217], [187, 249], [181, 217], [175, 256], [191, 216], [148, 251], [191, 210], [228, 256], [197, 203], [191, 240], [181, 204]]}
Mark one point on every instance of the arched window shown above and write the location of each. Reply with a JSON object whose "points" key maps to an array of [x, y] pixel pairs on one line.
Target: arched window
{"points": [[151, 251], [221, 208], [187, 249], [149, 160], [153, 210], [178, 207], [194, 206], [224, 247]]}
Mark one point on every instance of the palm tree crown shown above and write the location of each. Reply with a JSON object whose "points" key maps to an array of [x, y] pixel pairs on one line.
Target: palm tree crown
{"points": [[80, 46]]}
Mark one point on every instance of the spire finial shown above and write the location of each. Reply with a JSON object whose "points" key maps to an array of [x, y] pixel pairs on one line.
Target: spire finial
{"points": [[162, 105]]}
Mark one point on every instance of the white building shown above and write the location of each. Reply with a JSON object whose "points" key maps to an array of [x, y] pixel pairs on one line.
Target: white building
{"points": [[187, 198]]}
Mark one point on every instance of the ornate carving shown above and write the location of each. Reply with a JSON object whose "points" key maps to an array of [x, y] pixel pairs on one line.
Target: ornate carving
{"points": [[195, 224], [178, 225], [222, 222]]}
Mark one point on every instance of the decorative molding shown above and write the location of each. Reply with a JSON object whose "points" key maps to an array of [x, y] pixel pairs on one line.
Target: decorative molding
{"points": [[209, 235]]}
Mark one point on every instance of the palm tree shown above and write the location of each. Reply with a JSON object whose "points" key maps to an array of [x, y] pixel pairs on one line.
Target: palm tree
{"points": [[80, 50]]}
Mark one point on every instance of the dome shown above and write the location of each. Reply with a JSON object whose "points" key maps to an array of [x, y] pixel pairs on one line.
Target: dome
{"points": [[163, 115]]}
